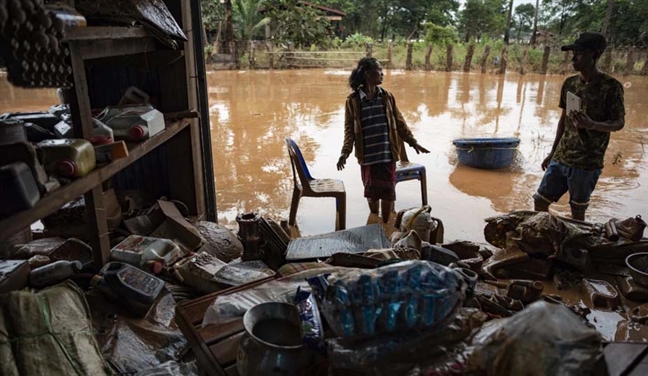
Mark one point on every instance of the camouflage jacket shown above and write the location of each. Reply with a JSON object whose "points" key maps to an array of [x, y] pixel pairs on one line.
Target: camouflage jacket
{"points": [[602, 100]]}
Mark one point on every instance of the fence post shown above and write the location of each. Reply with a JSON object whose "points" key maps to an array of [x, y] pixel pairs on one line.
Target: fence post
{"points": [[427, 57], [523, 60], [484, 59], [644, 70], [289, 54], [389, 55], [408, 61], [251, 60], [234, 55], [630, 61], [369, 49], [545, 59], [449, 58], [503, 60], [469, 57], [270, 55]]}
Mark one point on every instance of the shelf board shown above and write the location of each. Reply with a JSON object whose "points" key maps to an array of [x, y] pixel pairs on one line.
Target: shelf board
{"points": [[61, 196], [96, 42]]}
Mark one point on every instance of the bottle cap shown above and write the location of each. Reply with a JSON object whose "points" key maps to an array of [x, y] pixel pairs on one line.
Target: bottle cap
{"points": [[66, 168], [155, 267], [137, 132]]}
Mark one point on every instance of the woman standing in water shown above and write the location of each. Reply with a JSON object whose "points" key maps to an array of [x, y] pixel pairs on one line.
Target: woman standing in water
{"points": [[375, 126]]}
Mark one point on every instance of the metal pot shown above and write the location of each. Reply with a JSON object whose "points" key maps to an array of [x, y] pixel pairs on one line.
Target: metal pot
{"points": [[272, 343], [638, 265]]}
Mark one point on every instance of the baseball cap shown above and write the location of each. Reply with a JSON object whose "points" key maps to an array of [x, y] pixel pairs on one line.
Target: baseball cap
{"points": [[588, 40]]}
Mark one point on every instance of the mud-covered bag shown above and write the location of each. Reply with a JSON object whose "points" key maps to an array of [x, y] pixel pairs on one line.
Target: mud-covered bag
{"points": [[48, 333], [543, 339]]}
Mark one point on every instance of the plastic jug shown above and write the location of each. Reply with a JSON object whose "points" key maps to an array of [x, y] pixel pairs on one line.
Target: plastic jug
{"points": [[129, 285], [70, 158], [133, 122], [18, 189], [150, 254], [54, 273], [101, 133], [420, 221]]}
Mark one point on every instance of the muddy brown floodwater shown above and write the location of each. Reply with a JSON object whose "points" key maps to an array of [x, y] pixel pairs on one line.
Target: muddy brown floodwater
{"points": [[253, 111]]}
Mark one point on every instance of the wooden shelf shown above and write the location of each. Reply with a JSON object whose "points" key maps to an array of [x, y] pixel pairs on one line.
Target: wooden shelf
{"points": [[59, 197], [96, 42]]}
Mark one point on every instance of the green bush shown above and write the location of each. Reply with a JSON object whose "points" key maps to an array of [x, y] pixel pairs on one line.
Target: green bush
{"points": [[357, 40]]}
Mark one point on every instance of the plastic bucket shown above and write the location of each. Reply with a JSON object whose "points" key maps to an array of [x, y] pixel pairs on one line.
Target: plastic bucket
{"points": [[486, 153]]}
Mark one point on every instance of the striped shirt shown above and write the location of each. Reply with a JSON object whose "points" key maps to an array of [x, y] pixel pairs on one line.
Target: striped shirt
{"points": [[375, 131]]}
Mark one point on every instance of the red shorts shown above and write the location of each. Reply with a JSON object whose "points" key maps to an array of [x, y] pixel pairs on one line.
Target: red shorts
{"points": [[379, 181]]}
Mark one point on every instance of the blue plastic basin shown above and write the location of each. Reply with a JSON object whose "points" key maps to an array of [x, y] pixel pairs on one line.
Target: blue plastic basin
{"points": [[486, 153]]}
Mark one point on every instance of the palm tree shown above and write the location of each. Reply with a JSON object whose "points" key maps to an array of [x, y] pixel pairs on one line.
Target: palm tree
{"points": [[247, 17]]}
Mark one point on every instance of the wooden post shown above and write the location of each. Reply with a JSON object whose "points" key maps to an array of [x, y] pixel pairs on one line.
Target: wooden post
{"points": [[469, 57], [408, 61], [607, 61], [630, 61], [270, 55], [233, 54], [545, 59], [503, 59], [484, 59], [449, 57], [525, 53], [389, 55], [251, 59], [427, 57], [369, 50], [289, 55], [644, 70]]}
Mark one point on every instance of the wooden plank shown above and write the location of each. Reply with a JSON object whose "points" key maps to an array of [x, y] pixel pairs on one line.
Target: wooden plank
{"points": [[206, 360], [93, 33], [82, 99], [225, 350], [214, 333], [102, 48], [94, 200], [54, 200], [619, 356], [232, 370]]}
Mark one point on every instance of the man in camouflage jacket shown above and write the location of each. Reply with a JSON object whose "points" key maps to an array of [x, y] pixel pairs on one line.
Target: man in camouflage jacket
{"points": [[576, 159]]}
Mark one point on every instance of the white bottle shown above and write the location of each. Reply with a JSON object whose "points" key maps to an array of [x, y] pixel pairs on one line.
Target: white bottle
{"points": [[54, 273]]}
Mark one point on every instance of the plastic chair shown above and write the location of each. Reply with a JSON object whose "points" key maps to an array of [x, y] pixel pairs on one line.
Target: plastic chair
{"points": [[307, 186], [406, 170]]}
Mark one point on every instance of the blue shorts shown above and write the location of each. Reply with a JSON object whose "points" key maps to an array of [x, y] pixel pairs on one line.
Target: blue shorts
{"points": [[559, 179]]}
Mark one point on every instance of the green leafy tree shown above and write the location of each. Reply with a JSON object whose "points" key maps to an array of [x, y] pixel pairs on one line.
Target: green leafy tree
{"points": [[523, 18], [436, 34], [293, 22], [483, 17], [247, 19]]}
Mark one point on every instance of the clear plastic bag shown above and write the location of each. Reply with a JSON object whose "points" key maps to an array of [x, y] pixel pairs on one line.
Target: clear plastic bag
{"points": [[390, 299]]}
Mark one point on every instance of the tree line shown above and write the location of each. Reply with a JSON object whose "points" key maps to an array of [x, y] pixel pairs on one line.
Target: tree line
{"points": [[624, 22]]}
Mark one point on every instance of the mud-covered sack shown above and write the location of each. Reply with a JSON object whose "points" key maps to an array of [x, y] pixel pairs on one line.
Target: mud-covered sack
{"points": [[48, 333], [543, 339]]}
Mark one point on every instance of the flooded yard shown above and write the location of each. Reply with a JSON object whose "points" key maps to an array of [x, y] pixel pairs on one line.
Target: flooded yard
{"points": [[253, 112]]}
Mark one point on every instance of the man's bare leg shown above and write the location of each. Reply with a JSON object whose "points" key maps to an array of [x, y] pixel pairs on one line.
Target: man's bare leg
{"points": [[373, 205]]}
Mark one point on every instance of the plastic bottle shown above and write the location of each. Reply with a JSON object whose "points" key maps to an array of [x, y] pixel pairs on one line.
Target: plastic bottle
{"points": [[70, 158], [150, 254], [54, 273], [137, 289], [101, 133]]}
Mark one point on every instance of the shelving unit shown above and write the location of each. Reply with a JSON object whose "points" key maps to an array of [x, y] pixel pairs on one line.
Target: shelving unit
{"points": [[172, 74]]}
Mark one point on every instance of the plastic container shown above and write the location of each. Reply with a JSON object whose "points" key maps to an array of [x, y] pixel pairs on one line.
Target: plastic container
{"points": [[70, 158], [129, 285], [419, 220], [101, 133], [12, 131], [54, 273], [147, 253], [133, 122], [486, 153], [18, 189]]}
